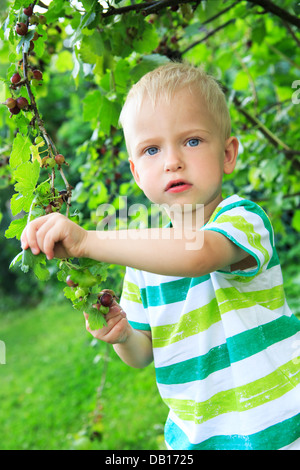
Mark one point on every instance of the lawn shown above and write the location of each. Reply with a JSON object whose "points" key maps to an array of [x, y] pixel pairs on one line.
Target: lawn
{"points": [[49, 388]]}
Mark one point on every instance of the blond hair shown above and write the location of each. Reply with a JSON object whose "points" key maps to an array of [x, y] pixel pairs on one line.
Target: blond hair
{"points": [[165, 80]]}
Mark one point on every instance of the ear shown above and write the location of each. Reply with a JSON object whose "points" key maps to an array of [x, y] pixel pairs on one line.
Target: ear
{"points": [[231, 153], [134, 172]]}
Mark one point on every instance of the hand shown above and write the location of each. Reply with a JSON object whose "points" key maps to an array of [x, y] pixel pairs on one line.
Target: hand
{"points": [[56, 236], [117, 330]]}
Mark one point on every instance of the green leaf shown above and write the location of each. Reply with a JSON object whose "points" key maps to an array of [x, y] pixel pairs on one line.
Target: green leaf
{"points": [[149, 40], [109, 114], [270, 170], [84, 278], [41, 272], [19, 203], [27, 175], [91, 104], [16, 228], [64, 62], [96, 319], [20, 151], [55, 10], [91, 48], [31, 261], [17, 259], [25, 41]]}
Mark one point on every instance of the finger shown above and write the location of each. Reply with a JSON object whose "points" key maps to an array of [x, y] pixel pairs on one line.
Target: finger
{"points": [[117, 334], [49, 234], [23, 240], [29, 238], [115, 311]]}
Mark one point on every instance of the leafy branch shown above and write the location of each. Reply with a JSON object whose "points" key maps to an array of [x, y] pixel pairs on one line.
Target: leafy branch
{"points": [[37, 118]]}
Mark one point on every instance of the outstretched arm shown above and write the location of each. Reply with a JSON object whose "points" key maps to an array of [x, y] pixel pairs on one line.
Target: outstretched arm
{"points": [[161, 251]]}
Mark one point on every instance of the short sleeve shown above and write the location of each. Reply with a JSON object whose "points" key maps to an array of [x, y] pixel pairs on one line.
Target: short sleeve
{"points": [[248, 226], [131, 301]]}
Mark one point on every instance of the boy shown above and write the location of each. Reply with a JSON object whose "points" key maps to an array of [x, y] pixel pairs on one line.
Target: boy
{"points": [[212, 316]]}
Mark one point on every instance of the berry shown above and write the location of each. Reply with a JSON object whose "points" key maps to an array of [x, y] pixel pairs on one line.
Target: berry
{"points": [[70, 282], [38, 140], [28, 10], [15, 110], [34, 19], [60, 159], [37, 75], [10, 103], [49, 209], [79, 293], [21, 29], [22, 102], [15, 78], [106, 297], [42, 19]]}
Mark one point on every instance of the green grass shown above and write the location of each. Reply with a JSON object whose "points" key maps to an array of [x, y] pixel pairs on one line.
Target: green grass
{"points": [[48, 387]]}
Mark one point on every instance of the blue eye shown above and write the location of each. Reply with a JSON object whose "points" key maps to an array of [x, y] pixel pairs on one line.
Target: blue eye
{"points": [[151, 151], [193, 142]]}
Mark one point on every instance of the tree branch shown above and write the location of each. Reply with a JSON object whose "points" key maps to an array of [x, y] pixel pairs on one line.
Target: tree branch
{"points": [[272, 138], [147, 7], [277, 11], [211, 33]]}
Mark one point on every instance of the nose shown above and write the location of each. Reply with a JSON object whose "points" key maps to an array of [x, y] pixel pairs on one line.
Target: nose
{"points": [[173, 160]]}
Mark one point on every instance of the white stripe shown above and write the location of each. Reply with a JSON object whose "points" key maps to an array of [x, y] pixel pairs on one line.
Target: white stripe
{"points": [[239, 374], [242, 423]]}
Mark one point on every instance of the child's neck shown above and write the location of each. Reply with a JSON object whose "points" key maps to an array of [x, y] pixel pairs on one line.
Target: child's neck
{"points": [[193, 218]]}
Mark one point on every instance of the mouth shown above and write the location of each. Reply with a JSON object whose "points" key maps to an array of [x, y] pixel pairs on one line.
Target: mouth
{"points": [[177, 186]]}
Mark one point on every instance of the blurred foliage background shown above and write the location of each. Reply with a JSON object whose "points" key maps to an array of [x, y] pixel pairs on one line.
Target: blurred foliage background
{"points": [[90, 52]]}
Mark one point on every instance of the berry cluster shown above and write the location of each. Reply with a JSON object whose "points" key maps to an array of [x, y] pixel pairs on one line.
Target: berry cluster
{"points": [[31, 75]]}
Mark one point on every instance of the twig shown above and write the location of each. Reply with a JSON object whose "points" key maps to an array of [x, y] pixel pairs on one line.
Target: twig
{"points": [[278, 11], [146, 7], [211, 33], [270, 136], [290, 30]]}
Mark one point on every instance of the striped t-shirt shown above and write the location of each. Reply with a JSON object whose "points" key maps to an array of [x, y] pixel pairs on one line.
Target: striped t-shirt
{"points": [[226, 346]]}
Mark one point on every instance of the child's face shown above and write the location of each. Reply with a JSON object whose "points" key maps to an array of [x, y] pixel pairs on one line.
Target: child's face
{"points": [[177, 154]]}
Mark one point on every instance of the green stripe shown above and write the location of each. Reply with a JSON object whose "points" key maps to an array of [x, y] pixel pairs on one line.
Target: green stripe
{"points": [[139, 326], [239, 399], [273, 438], [203, 317], [231, 298], [243, 225], [189, 324], [253, 341], [169, 292], [236, 348], [131, 292], [250, 207], [196, 368]]}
